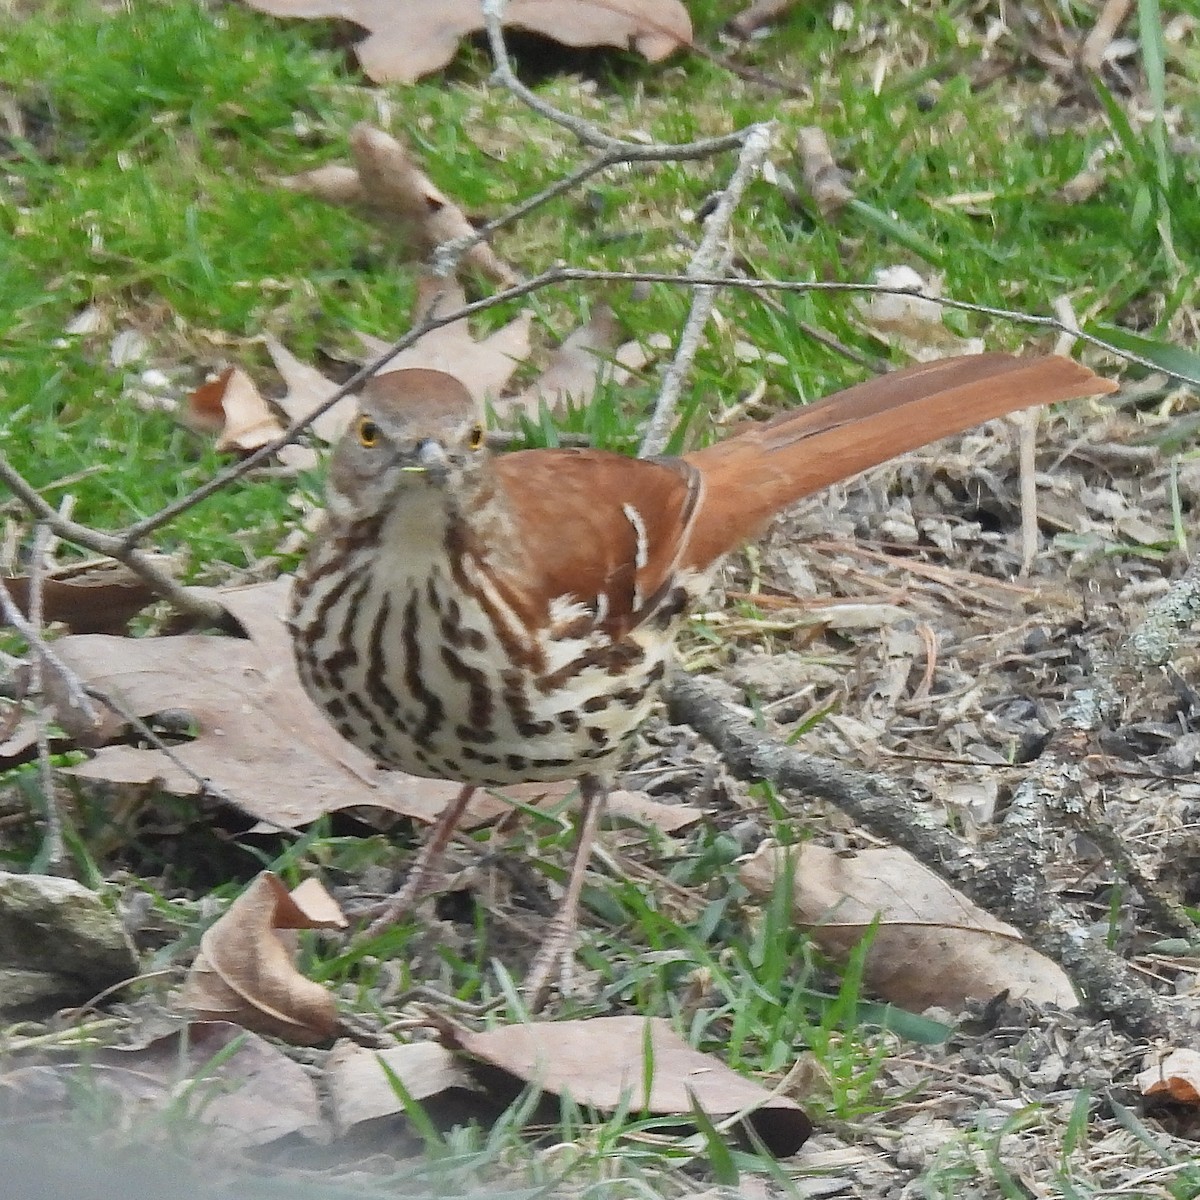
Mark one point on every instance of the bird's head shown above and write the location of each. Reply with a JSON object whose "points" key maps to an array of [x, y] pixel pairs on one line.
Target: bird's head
{"points": [[415, 430]]}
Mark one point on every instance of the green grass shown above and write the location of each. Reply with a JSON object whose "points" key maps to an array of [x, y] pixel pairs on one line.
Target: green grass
{"points": [[142, 186]]}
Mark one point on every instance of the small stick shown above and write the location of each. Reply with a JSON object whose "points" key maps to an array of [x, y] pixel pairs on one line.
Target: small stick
{"points": [[713, 254]]}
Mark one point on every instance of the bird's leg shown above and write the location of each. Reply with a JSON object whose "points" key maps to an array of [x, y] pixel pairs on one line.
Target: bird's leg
{"points": [[426, 863], [558, 944]]}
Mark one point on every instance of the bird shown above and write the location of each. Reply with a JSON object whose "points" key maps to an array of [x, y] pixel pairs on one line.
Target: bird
{"points": [[494, 619]]}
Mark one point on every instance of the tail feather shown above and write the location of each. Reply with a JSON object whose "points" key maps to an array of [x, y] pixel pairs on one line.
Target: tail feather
{"points": [[751, 476]]}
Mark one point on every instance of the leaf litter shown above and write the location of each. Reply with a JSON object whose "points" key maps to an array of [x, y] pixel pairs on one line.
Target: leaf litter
{"points": [[1021, 1052]]}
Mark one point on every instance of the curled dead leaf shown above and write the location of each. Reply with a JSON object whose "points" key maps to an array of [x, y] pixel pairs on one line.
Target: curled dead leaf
{"points": [[388, 184], [245, 971], [234, 409], [94, 597]]}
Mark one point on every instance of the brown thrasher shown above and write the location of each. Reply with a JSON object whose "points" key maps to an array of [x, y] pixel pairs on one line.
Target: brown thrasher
{"points": [[499, 620]]}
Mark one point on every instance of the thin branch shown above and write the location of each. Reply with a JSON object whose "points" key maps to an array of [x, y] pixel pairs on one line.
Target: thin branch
{"points": [[121, 544], [41, 650], [448, 255], [183, 599], [983, 873], [585, 131], [133, 534], [715, 253]]}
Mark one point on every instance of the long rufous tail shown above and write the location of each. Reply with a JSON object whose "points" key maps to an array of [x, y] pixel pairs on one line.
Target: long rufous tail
{"points": [[752, 475]]}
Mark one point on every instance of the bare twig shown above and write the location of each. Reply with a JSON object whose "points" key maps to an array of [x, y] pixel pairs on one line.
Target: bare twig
{"points": [[120, 544], [117, 546], [41, 650], [614, 151], [713, 254], [585, 131]]}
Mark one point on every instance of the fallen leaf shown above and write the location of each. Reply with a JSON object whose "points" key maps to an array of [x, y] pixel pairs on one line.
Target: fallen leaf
{"points": [[914, 323], [234, 409], [602, 1063], [578, 367], [411, 38], [932, 945], [641, 809], [258, 736], [245, 971], [20, 739], [93, 597], [361, 1089], [307, 388], [248, 1091], [391, 188], [483, 368], [1175, 1076]]}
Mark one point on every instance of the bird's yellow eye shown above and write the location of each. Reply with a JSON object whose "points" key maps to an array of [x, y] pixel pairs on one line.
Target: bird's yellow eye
{"points": [[368, 432], [476, 439]]}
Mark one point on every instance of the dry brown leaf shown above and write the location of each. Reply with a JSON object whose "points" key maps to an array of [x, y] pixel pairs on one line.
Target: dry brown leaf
{"points": [[245, 971], [642, 809], [94, 597], [244, 1087], [411, 38], [1175, 1075], [307, 388], [932, 946], [259, 738], [233, 408], [387, 183], [577, 368], [914, 323], [20, 738], [483, 368], [361, 1090], [248, 1092], [601, 1063]]}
